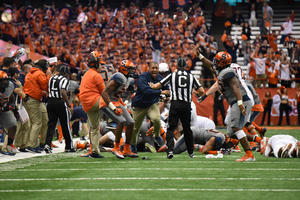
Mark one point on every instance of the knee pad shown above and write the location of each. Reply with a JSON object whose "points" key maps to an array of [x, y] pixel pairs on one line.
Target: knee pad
{"points": [[240, 134], [111, 136]]}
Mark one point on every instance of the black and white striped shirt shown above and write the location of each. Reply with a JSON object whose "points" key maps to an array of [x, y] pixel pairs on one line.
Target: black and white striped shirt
{"points": [[56, 83], [182, 84]]}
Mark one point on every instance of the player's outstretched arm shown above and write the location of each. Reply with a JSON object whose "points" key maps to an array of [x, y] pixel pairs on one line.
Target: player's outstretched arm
{"points": [[207, 63]]}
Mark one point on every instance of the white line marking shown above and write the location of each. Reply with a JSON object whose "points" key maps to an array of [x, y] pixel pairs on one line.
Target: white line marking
{"points": [[146, 178], [196, 161], [159, 189], [165, 169]]}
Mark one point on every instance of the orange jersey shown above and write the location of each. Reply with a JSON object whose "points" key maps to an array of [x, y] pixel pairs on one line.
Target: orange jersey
{"points": [[252, 72], [298, 97], [36, 82], [91, 88]]}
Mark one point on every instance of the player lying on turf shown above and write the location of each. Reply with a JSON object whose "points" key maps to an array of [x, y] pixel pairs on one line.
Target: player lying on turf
{"points": [[280, 146], [210, 141]]}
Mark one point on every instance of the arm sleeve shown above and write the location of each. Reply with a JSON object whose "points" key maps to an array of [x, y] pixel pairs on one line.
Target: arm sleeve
{"points": [[43, 81], [166, 80], [196, 83]]}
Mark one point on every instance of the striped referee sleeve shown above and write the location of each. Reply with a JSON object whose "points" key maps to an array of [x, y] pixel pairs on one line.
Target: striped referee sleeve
{"points": [[196, 83]]}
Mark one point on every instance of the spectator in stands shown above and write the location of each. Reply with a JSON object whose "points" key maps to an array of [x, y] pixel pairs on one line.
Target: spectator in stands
{"points": [[285, 72], [291, 45], [232, 49], [273, 75], [264, 47], [253, 14], [156, 48], [296, 68], [251, 72], [237, 18], [263, 29], [267, 103], [272, 38], [260, 66], [284, 105], [246, 30], [267, 12], [298, 103], [287, 27], [256, 41], [247, 51]]}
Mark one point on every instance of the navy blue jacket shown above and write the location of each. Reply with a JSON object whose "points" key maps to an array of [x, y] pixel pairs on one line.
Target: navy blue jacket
{"points": [[145, 96]]}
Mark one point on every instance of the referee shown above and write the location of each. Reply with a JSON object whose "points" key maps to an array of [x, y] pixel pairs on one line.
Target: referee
{"points": [[182, 84], [57, 107]]}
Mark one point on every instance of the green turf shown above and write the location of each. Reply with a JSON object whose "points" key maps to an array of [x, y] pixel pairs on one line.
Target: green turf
{"points": [[68, 176]]}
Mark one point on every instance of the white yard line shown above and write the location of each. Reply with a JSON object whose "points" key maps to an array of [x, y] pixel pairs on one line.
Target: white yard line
{"points": [[145, 178], [159, 189], [171, 161], [164, 169]]}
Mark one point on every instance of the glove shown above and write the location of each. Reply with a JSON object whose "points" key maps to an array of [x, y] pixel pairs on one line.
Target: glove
{"points": [[221, 97], [12, 107], [150, 131], [202, 98], [4, 109], [118, 111]]}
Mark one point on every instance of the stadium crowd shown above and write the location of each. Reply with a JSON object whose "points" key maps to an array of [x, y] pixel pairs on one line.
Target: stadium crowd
{"points": [[142, 37]]}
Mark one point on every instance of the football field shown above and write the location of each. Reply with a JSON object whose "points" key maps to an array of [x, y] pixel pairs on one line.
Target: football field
{"points": [[69, 176]]}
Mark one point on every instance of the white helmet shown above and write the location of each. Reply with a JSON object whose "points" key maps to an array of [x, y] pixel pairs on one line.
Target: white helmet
{"points": [[163, 67]]}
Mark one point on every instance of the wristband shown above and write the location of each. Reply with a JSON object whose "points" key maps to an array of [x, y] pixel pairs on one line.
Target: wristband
{"points": [[126, 102], [111, 106], [240, 102], [200, 56], [20, 85]]}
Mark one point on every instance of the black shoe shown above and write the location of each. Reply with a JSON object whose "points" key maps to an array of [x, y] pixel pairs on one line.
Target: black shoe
{"points": [[8, 153], [70, 150], [82, 138], [93, 155], [191, 155], [33, 150], [170, 155], [41, 147], [24, 150], [47, 149]]}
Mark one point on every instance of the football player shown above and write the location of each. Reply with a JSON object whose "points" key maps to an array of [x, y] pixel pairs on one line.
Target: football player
{"points": [[236, 95], [210, 141], [113, 107], [283, 146], [7, 118]]}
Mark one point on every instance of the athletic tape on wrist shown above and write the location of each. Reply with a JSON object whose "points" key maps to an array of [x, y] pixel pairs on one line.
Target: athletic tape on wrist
{"points": [[240, 102], [111, 106], [200, 56]]}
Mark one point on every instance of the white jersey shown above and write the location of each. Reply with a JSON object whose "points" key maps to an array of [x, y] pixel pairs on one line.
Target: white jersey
{"points": [[204, 122], [193, 114], [238, 70], [278, 141]]}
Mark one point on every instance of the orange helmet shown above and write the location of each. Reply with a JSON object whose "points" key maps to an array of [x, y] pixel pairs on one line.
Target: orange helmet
{"points": [[221, 60], [3, 80], [125, 66]]}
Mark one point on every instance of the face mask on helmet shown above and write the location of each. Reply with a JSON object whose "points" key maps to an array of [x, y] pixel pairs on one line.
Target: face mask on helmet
{"points": [[126, 68]]}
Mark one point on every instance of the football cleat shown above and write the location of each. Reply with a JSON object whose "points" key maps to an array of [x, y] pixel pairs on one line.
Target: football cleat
{"points": [[47, 149], [170, 155], [150, 148], [236, 149], [191, 155], [285, 151], [246, 158], [7, 152], [253, 146], [93, 155], [12, 148], [118, 153], [162, 149], [263, 132], [129, 153]]}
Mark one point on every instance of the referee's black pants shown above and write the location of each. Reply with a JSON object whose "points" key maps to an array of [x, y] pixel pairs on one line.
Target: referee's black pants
{"points": [[180, 110], [57, 108]]}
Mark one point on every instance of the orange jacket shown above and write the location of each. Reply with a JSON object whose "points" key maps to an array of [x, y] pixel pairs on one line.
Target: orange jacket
{"points": [[36, 82]]}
